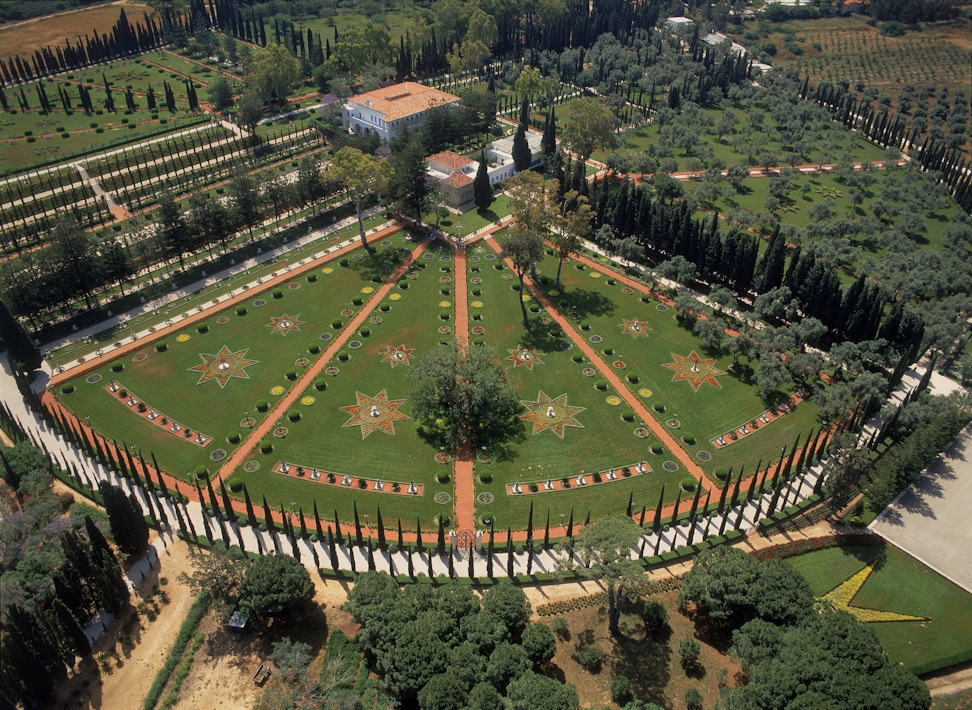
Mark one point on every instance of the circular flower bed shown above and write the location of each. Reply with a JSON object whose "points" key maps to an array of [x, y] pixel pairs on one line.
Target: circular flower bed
{"points": [[443, 457], [475, 280], [484, 457], [595, 339], [247, 422], [477, 304], [485, 498], [93, 379], [183, 337], [395, 297], [619, 364], [673, 423], [386, 243], [294, 286], [641, 433], [326, 336], [307, 401], [670, 466], [260, 303], [251, 466], [566, 345], [613, 400], [661, 307], [445, 280], [367, 289], [140, 357], [703, 455], [445, 330], [442, 498], [428, 255], [276, 390], [589, 372], [628, 290], [376, 320], [490, 257], [445, 259], [280, 432], [331, 371], [595, 275], [347, 313], [507, 276], [302, 362], [478, 330], [327, 270], [445, 304], [222, 320], [354, 344], [218, 455]]}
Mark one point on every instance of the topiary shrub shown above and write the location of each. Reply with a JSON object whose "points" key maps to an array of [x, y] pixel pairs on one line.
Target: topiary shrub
{"points": [[293, 415], [577, 357], [601, 385], [659, 408], [344, 356], [277, 293], [313, 348], [161, 347], [262, 405], [688, 484], [656, 448], [403, 285], [688, 438], [201, 473], [266, 447], [202, 328], [485, 477], [385, 307], [235, 485], [67, 389], [345, 262], [337, 323], [233, 437], [365, 332], [320, 385], [560, 628], [291, 374], [241, 310], [721, 473], [633, 377], [442, 476], [628, 415], [311, 278], [584, 325], [117, 366], [357, 300]]}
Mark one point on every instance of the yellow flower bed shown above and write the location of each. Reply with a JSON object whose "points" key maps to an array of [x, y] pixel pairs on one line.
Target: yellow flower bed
{"points": [[843, 594]]}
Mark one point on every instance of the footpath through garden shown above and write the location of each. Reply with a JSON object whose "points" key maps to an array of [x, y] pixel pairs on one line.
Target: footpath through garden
{"points": [[277, 414], [465, 488]]}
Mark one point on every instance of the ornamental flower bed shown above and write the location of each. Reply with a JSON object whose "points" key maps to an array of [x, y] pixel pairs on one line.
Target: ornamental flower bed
{"points": [[137, 406], [343, 480], [582, 480], [753, 425]]}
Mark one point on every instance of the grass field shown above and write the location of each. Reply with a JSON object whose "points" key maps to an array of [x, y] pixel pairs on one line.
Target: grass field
{"points": [[902, 584], [601, 441]]}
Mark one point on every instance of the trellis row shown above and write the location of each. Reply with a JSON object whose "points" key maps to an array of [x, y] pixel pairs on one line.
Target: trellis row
{"points": [[582, 480], [156, 417], [343, 480]]}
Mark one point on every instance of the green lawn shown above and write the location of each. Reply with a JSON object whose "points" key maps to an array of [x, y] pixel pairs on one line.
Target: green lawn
{"points": [[602, 441], [902, 584], [711, 411]]}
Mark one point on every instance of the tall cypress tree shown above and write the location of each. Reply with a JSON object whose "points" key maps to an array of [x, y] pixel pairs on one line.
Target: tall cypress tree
{"points": [[482, 191], [522, 157]]}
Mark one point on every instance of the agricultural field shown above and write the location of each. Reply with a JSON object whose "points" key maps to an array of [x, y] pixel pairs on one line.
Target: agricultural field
{"points": [[24, 37], [937, 628]]}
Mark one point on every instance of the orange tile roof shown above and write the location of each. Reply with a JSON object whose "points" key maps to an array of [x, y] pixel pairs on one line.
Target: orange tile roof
{"points": [[401, 100], [450, 160], [458, 180]]}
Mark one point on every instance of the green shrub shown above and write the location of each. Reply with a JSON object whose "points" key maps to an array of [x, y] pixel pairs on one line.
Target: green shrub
{"points": [[590, 659], [577, 357], [688, 438], [344, 356], [313, 348], [621, 690], [262, 405], [266, 447], [201, 472], [633, 377], [277, 293], [560, 628], [202, 327], [628, 415], [688, 484], [294, 415], [241, 310], [688, 652], [365, 332], [235, 485], [67, 389], [345, 262], [233, 437], [337, 323], [656, 448], [357, 300], [320, 385], [601, 385], [291, 374], [721, 473], [117, 366]]}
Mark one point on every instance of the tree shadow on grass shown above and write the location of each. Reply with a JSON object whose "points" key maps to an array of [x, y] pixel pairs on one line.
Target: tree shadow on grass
{"points": [[645, 663], [588, 303]]}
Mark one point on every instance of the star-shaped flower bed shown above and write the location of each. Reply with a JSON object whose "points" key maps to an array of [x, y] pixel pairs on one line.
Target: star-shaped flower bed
{"points": [[553, 414], [285, 324], [399, 355], [694, 370], [375, 413], [844, 593], [634, 327], [223, 366], [528, 357]]}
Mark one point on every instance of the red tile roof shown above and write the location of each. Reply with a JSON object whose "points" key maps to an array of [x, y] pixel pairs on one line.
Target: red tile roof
{"points": [[401, 100]]}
